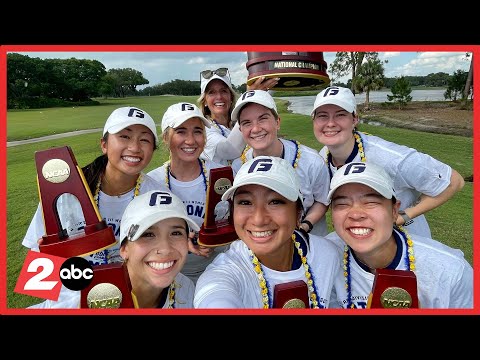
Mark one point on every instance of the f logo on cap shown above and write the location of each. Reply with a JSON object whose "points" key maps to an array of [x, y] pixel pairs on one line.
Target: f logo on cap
{"points": [[187, 107], [248, 94], [260, 165], [331, 90], [355, 168], [160, 198], [138, 113]]}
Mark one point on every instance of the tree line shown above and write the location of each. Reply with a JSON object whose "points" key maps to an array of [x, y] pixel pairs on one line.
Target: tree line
{"points": [[37, 83]]}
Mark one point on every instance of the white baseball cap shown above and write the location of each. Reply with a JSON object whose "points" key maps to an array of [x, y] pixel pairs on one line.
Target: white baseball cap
{"points": [[204, 82], [336, 95], [363, 173], [126, 116], [178, 113], [272, 172], [149, 208], [254, 96]]}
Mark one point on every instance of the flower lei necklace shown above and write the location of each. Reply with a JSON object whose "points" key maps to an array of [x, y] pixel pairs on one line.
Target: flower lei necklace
{"points": [[135, 193], [361, 151], [202, 166], [171, 298], [294, 162], [266, 297], [409, 263]]}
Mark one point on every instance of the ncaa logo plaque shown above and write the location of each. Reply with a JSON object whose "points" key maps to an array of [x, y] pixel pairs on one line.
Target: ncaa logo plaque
{"points": [[216, 232], [57, 174]]}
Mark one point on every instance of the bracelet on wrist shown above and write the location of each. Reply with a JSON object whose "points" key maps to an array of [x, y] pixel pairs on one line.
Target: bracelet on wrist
{"points": [[407, 220], [309, 224]]}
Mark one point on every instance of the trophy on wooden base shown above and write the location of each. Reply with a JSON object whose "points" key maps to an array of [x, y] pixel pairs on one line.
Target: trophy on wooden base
{"points": [[291, 295], [393, 289], [57, 174], [110, 288], [217, 228], [296, 70]]}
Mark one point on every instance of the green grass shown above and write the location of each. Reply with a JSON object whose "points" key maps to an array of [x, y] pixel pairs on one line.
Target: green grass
{"points": [[451, 223]]}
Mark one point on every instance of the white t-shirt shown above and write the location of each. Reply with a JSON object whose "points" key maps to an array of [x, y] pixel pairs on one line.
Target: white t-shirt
{"points": [[184, 291], [71, 216], [193, 194], [223, 145], [413, 173], [312, 174], [444, 277], [231, 281]]}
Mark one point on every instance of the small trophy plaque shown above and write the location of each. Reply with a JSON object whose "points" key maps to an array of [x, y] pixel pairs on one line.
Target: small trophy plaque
{"points": [[58, 173], [110, 288], [296, 70], [393, 289], [217, 228], [291, 295]]}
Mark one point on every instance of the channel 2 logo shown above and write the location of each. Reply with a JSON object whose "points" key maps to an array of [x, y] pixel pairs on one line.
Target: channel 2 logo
{"points": [[42, 275]]}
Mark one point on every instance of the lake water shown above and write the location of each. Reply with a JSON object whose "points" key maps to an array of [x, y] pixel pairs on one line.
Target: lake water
{"points": [[304, 104]]}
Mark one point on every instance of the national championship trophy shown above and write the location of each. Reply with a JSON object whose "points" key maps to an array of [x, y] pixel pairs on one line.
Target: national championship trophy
{"points": [[394, 289], [110, 288], [57, 174], [218, 231], [296, 70], [291, 295]]}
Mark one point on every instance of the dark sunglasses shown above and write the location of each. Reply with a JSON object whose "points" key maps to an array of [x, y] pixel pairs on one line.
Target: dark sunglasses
{"points": [[207, 74]]}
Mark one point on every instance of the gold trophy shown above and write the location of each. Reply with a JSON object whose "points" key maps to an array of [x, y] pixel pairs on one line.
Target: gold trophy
{"points": [[57, 174], [217, 228], [393, 289], [296, 70], [110, 288]]}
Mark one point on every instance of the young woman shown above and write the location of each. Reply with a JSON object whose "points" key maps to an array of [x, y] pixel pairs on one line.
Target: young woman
{"points": [[186, 175], [364, 207], [217, 99], [257, 116], [154, 247], [114, 178], [267, 207], [422, 182]]}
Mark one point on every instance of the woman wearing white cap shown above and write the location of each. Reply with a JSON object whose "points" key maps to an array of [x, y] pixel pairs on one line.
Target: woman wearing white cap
{"points": [[114, 178], [185, 174], [364, 207], [267, 207], [421, 181], [216, 101], [257, 116], [154, 247]]}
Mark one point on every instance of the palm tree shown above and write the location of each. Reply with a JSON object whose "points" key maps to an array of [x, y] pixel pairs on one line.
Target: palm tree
{"points": [[370, 76]]}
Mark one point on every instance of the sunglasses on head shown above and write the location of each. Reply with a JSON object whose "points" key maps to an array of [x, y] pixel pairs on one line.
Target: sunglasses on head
{"points": [[207, 74]]}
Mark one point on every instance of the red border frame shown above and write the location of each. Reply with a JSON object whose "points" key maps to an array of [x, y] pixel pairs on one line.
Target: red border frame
{"points": [[475, 49]]}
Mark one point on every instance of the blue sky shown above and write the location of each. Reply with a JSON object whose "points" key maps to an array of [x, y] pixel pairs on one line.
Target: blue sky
{"points": [[159, 67]]}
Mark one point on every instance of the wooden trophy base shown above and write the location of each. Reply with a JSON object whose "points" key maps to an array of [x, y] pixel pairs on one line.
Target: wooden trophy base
{"points": [[296, 70], [394, 289], [81, 244], [290, 295], [110, 288]]}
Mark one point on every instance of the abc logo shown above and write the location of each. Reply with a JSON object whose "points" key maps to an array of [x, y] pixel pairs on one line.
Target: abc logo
{"points": [[76, 273]]}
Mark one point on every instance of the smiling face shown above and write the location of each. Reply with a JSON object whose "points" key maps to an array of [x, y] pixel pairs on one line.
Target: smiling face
{"points": [[130, 150], [264, 220], [157, 256], [219, 99], [259, 127], [187, 141], [364, 220], [332, 125]]}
